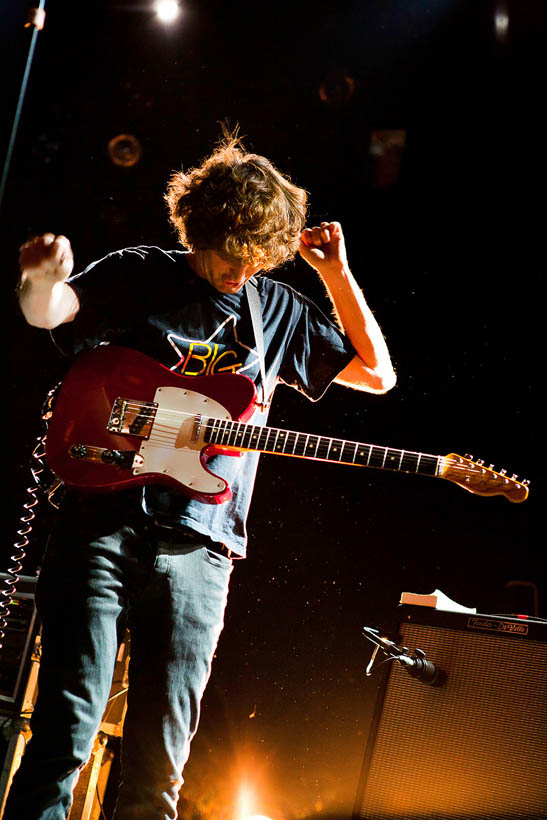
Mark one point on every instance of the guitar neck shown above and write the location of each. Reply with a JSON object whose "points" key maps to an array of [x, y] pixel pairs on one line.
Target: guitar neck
{"points": [[243, 437]]}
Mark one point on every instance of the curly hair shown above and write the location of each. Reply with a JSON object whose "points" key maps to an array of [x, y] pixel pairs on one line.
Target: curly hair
{"points": [[239, 205]]}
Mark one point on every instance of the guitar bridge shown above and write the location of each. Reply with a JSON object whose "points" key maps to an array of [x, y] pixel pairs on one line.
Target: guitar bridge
{"points": [[132, 417]]}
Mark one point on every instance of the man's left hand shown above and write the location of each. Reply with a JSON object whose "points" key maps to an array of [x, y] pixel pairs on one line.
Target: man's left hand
{"points": [[323, 247]]}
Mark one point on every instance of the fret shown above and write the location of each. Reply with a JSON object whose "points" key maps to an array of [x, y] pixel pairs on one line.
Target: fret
{"points": [[428, 464], [224, 431], [280, 441], [321, 447], [362, 455], [232, 432], [292, 438], [336, 449], [347, 453], [410, 462], [377, 456], [263, 439], [300, 445], [272, 433], [313, 446], [241, 427], [392, 460], [325, 448], [228, 431], [247, 437], [216, 430]]}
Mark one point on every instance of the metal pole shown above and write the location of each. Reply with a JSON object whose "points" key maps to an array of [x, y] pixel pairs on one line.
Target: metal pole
{"points": [[35, 19]]}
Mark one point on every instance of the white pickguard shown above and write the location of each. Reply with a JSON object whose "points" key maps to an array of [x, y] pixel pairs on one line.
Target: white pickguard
{"points": [[179, 458]]}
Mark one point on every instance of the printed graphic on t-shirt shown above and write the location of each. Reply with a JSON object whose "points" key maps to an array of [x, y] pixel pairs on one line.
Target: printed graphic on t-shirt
{"points": [[208, 357]]}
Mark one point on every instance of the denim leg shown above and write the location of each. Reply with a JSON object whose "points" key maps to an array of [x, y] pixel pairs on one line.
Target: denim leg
{"points": [[175, 626], [80, 598], [175, 597]]}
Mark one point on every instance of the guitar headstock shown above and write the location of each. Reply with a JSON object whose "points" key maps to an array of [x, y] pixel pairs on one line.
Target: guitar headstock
{"points": [[475, 477]]}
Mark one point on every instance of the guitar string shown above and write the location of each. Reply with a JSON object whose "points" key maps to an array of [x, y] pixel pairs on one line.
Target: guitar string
{"points": [[168, 439], [165, 441], [162, 419], [158, 420], [167, 445], [160, 416]]}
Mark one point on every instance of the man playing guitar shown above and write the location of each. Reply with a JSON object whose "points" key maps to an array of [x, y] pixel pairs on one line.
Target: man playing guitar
{"points": [[150, 558]]}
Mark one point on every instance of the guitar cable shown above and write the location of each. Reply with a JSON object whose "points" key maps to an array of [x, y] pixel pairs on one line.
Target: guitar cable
{"points": [[45, 482], [42, 484], [21, 543]]}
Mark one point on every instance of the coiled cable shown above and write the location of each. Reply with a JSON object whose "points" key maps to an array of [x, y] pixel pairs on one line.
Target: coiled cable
{"points": [[23, 538]]}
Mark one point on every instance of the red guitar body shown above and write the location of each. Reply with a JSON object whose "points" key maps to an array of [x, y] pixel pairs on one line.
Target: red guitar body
{"points": [[81, 422]]}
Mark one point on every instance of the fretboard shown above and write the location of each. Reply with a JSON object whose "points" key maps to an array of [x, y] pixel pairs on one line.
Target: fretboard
{"points": [[251, 437]]}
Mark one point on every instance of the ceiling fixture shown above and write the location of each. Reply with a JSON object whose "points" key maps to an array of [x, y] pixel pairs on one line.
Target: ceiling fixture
{"points": [[167, 10]]}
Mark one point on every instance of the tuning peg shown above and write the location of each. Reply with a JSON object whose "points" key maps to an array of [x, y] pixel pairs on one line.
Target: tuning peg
{"points": [[502, 472], [480, 462], [470, 457], [490, 466], [514, 477]]}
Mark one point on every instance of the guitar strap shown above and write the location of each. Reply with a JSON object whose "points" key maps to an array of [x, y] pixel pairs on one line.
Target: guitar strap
{"points": [[255, 308]]}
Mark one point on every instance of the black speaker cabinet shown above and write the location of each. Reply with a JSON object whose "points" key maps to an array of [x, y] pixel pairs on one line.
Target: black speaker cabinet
{"points": [[475, 746]]}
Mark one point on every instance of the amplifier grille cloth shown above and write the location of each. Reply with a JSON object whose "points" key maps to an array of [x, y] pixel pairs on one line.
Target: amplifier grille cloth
{"points": [[473, 748]]}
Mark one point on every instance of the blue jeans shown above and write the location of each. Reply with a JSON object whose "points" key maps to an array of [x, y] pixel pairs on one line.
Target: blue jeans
{"points": [[170, 589]]}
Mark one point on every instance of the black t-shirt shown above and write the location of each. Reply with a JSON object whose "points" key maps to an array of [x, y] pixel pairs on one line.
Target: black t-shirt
{"points": [[150, 300]]}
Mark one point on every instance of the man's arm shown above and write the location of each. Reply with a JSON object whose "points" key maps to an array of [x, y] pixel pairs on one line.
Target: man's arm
{"points": [[44, 297], [371, 369]]}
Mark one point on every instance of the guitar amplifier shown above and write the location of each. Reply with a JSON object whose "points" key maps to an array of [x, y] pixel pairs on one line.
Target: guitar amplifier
{"points": [[473, 747]]}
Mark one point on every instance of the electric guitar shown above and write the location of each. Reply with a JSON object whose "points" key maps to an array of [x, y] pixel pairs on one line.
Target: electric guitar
{"points": [[120, 420]]}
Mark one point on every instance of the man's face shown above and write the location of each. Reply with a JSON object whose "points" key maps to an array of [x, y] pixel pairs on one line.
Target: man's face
{"points": [[226, 275]]}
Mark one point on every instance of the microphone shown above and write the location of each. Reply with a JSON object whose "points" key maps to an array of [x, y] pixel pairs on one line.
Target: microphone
{"points": [[415, 663], [420, 668]]}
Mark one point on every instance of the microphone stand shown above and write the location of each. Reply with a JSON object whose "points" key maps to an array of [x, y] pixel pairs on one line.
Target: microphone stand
{"points": [[35, 19]]}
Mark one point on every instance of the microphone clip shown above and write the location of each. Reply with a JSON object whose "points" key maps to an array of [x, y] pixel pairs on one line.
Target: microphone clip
{"points": [[415, 663]]}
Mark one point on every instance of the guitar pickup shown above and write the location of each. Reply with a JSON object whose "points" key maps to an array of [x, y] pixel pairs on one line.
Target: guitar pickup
{"points": [[132, 417]]}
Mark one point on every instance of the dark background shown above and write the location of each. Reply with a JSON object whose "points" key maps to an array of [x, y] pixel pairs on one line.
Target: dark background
{"points": [[447, 256]]}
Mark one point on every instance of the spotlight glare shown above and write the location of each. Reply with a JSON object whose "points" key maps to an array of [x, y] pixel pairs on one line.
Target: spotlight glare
{"points": [[501, 22], [167, 10]]}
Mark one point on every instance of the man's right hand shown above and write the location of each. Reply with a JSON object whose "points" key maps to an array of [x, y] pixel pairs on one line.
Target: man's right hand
{"points": [[47, 257], [45, 299]]}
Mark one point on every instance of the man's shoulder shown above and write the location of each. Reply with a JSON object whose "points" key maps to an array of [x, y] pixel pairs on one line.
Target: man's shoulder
{"points": [[145, 253], [273, 289], [131, 260]]}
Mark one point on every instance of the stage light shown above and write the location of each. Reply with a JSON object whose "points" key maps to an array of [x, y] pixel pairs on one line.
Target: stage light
{"points": [[167, 10], [501, 22], [124, 150], [247, 797]]}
